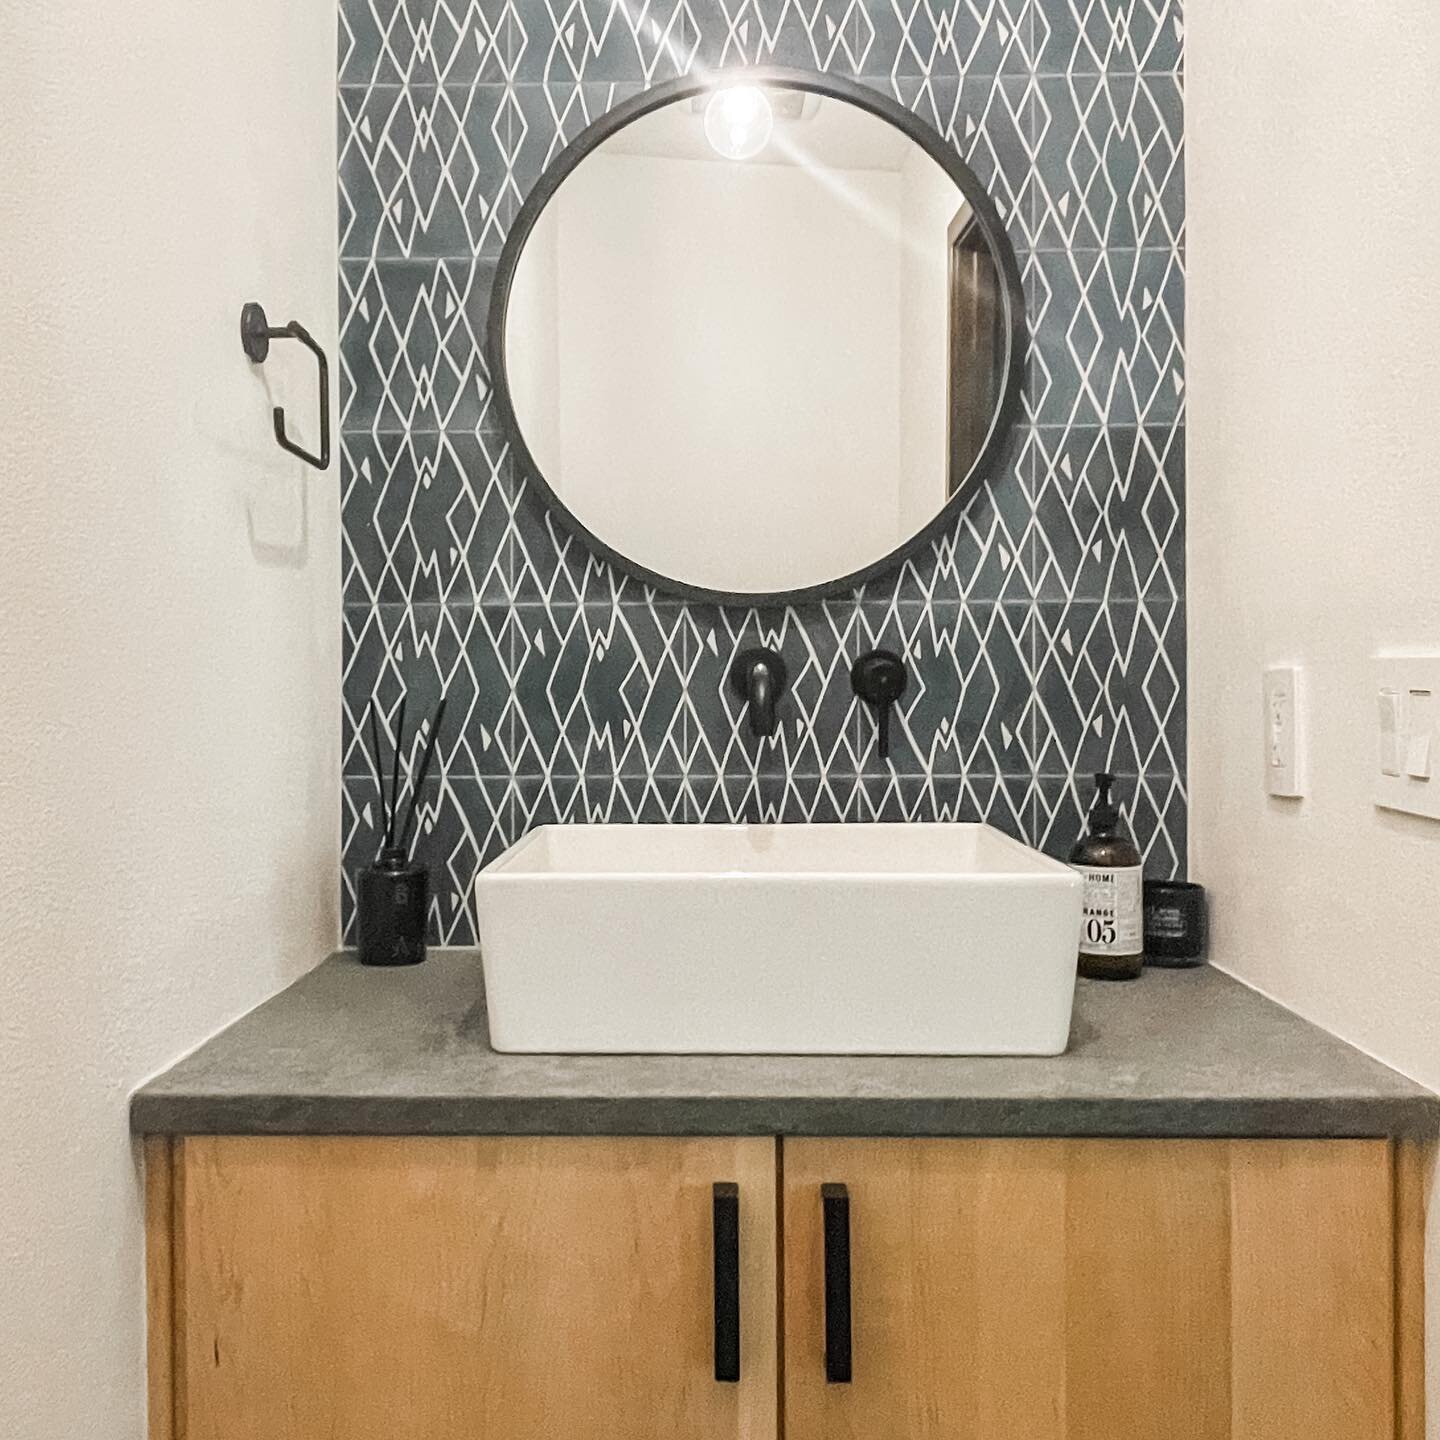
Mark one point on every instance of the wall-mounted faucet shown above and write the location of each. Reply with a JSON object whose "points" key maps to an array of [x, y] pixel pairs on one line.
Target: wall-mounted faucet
{"points": [[758, 677], [878, 678]]}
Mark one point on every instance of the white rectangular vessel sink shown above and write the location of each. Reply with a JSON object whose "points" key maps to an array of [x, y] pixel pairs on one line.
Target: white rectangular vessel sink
{"points": [[778, 939]]}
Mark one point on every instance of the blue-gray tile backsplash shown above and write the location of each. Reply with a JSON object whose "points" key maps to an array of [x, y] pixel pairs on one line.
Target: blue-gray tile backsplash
{"points": [[1045, 631]]}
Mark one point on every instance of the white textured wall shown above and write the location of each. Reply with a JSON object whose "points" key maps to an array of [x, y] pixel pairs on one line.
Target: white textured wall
{"points": [[169, 677], [1314, 495], [709, 381]]}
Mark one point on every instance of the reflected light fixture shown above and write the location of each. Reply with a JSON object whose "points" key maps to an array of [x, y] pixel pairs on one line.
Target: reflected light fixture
{"points": [[738, 121]]}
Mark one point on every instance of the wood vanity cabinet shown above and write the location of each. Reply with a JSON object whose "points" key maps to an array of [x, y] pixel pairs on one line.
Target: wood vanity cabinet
{"points": [[456, 1289], [517, 1288], [1101, 1290]]}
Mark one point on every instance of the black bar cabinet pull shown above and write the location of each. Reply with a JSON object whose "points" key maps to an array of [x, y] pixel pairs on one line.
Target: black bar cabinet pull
{"points": [[835, 1206], [256, 333], [727, 1281]]}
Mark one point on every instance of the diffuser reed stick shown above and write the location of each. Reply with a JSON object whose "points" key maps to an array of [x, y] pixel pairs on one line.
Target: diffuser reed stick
{"points": [[395, 776], [402, 839], [379, 765]]}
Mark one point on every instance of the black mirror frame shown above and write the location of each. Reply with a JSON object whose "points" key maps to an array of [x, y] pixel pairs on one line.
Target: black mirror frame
{"points": [[833, 87]]}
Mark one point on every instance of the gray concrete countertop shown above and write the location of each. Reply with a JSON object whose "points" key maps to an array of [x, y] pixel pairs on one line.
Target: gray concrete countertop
{"points": [[349, 1050]]}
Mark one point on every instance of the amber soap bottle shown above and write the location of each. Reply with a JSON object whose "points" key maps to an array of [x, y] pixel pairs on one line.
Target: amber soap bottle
{"points": [[1112, 923]]}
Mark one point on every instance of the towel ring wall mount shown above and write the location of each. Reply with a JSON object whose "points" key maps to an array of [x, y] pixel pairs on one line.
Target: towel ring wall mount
{"points": [[256, 333]]}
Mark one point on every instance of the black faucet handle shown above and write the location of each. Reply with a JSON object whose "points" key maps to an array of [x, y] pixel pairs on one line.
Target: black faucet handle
{"points": [[758, 677], [879, 678]]}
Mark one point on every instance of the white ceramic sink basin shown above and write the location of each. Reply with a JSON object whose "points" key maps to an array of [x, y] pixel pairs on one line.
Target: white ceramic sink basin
{"points": [[778, 939]]}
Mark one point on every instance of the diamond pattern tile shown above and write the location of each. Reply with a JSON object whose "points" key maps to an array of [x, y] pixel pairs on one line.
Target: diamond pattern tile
{"points": [[1109, 513], [412, 345], [1109, 687], [1087, 37], [1110, 162], [1107, 337], [598, 690], [422, 42], [439, 171], [1044, 631], [425, 517], [968, 697], [392, 42], [419, 651]]}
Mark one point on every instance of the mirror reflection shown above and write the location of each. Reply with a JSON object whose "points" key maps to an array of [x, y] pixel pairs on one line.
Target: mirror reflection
{"points": [[755, 340]]}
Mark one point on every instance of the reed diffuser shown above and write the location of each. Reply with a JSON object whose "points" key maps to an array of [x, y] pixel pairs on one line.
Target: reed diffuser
{"points": [[393, 890]]}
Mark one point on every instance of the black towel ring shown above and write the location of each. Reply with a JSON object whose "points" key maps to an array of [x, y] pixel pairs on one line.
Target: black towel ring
{"points": [[256, 333]]}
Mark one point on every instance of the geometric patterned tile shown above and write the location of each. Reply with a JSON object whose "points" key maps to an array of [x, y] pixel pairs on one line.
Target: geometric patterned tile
{"points": [[1000, 800], [982, 556], [1109, 687], [418, 651], [970, 685], [425, 517], [596, 690], [394, 42], [1003, 801], [550, 566], [1107, 337], [946, 41], [1110, 513], [1045, 630], [815, 733], [389, 42], [575, 41], [564, 799], [1110, 162], [1109, 36], [439, 171], [412, 342]]}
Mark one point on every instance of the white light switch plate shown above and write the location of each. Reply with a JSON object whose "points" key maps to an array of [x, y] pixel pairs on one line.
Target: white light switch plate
{"points": [[1407, 742], [1284, 757]]}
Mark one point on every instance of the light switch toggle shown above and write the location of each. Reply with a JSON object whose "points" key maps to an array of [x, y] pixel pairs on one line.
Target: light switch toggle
{"points": [[1392, 729], [1421, 723], [1407, 688]]}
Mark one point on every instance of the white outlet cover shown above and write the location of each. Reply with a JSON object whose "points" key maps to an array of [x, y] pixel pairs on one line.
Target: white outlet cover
{"points": [[1283, 743]]}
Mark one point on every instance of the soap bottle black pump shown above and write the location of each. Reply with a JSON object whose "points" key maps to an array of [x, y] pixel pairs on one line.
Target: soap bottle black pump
{"points": [[1112, 923]]}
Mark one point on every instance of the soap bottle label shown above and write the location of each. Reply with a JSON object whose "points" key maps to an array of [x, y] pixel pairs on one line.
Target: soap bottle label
{"points": [[1113, 919]]}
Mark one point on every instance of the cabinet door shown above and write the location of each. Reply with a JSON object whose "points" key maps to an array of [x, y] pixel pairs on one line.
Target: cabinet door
{"points": [[491, 1289], [1092, 1290]]}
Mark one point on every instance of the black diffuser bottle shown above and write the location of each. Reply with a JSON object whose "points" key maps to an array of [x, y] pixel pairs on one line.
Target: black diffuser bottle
{"points": [[394, 903], [393, 892]]}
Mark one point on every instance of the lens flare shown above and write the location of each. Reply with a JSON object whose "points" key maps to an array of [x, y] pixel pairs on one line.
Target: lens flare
{"points": [[738, 121]]}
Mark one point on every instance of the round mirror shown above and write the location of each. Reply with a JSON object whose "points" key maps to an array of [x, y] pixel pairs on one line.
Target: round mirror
{"points": [[758, 337]]}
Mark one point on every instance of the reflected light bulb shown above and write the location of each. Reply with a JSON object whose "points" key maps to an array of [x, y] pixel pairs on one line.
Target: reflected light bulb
{"points": [[738, 120]]}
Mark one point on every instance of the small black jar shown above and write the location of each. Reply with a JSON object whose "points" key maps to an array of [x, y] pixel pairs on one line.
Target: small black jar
{"points": [[394, 901], [1175, 924]]}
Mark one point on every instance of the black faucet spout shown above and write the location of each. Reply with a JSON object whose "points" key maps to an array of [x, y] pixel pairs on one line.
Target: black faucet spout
{"points": [[758, 678], [762, 700]]}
